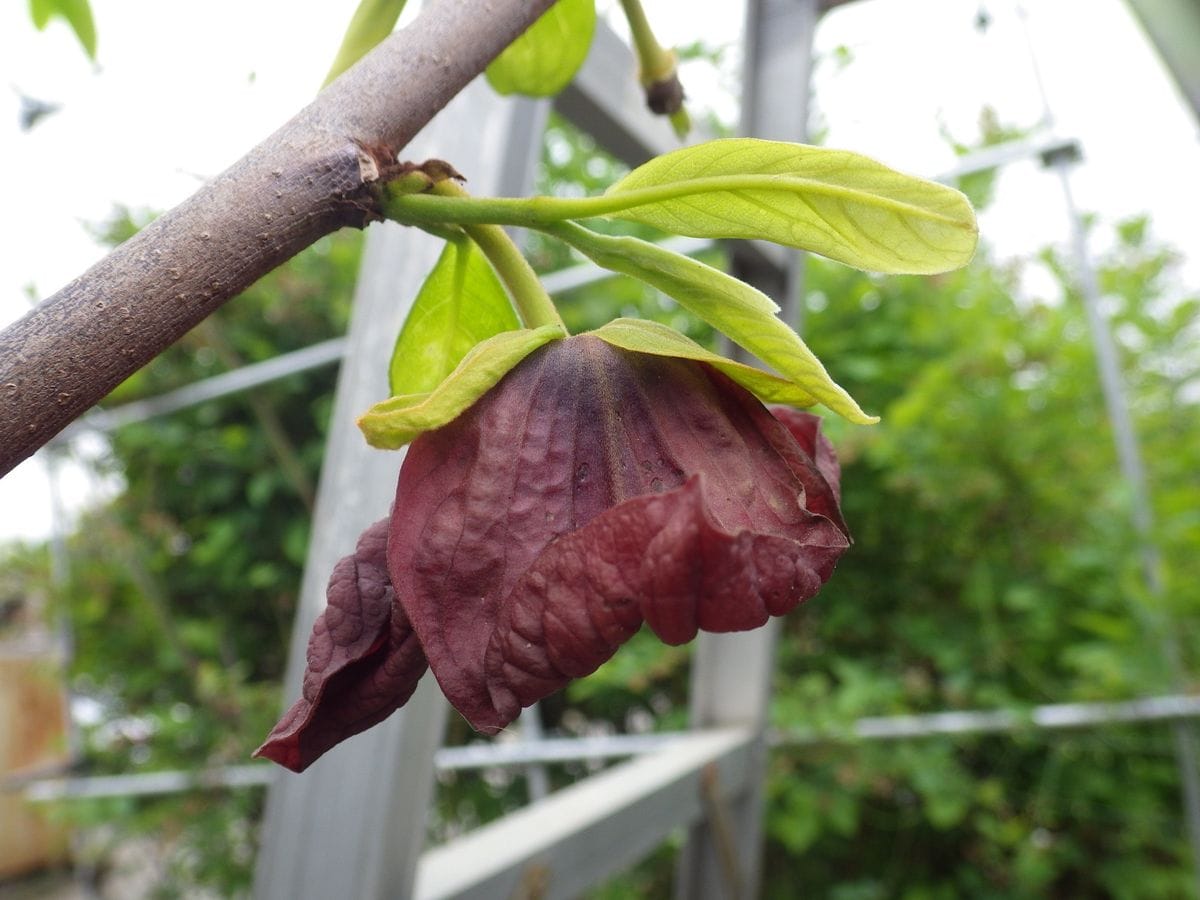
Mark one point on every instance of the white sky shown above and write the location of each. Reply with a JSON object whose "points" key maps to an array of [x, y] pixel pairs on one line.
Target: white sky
{"points": [[181, 91]]}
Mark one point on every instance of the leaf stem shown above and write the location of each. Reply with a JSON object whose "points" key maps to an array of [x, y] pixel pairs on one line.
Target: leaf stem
{"points": [[372, 21], [538, 212], [658, 70], [448, 233], [655, 62], [533, 304]]}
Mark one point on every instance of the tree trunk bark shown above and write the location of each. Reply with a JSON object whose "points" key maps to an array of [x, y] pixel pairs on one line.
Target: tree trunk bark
{"points": [[317, 173]]}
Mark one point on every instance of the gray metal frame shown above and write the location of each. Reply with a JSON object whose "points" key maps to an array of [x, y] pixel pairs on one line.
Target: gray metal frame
{"points": [[46, 787], [578, 836], [1174, 27]]}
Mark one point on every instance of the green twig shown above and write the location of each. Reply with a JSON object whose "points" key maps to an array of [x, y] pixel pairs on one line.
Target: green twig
{"points": [[658, 70], [654, 62], [538, 212], [372, 21], [533, 304]]}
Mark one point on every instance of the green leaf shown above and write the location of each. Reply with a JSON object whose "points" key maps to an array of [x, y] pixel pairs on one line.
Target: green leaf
{"points": [[746, 315], [40, 12], [642, 336], [76, 13], [543, 60], [372, 21], [833, 202], [394, 422], [460, 304]]}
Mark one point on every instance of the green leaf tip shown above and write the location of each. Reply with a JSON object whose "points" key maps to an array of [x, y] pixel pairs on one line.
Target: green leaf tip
{"points": [[543, 60], [460, 304], [641, 336], [832, 202], [398, 420], [76, 13], [732, 307]]}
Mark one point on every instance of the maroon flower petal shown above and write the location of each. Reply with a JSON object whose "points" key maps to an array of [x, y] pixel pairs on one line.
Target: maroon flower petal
{"points": [[575, 431], [813, 461], [806, 429], [363, 660], [659, 557]]}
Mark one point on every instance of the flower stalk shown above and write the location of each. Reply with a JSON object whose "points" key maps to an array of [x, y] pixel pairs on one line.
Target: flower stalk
{"points": [[657, 70], [655, 62], [533, 304]]}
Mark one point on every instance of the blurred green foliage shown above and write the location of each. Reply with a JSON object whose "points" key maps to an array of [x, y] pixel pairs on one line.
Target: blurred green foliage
{"points": [[995, 567]]}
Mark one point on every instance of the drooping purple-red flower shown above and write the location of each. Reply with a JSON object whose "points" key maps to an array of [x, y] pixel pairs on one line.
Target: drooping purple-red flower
{"points": [[592, 490]]}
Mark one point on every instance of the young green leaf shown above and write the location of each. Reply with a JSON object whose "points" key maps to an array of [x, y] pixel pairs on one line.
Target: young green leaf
{"points": [[460, 304], [394, 422], [372, 21], [76, 13], [731, 306], [543, 60], [642, 336], [40, 12], [833, 202]]}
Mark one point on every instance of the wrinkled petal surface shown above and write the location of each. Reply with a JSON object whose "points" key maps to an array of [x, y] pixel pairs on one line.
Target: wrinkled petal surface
{"points": [[592, 489], [662, 559], [364, 661], [805, 428]]}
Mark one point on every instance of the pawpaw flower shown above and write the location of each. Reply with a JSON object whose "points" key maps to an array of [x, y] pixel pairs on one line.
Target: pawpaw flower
{"points": [[591, 490]]}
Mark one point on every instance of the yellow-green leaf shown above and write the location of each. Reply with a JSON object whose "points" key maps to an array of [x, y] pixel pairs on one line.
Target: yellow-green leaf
{"points": [[40, 12], [833, 202], [460, 304], [372, 21], [642, 336], [76, 13], [394, 422], [743, 313], [543, 60]]}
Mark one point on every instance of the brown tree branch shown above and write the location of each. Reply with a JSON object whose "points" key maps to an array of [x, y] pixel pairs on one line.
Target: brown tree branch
{"points": [[316, 174]]}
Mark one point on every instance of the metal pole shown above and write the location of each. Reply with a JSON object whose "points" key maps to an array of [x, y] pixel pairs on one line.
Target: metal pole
{"points": [[532, 735], [1187, 754], [521, 754]]}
